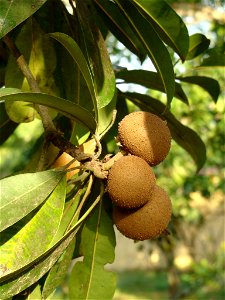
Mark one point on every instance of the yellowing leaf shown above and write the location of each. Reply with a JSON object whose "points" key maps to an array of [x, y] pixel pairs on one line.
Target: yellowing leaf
{"points": [[36, 235]]}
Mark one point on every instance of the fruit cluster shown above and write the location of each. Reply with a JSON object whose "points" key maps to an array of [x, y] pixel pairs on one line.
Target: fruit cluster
{"points": [[142, 209]]}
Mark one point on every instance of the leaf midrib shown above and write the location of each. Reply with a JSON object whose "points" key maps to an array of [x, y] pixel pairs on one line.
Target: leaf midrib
{"points": [[27, 192]]}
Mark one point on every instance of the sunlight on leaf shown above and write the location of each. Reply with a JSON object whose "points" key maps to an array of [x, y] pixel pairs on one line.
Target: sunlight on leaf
{"points": [[198, 44], [157, 51], [167, 23], [42, 227], [33, 273], [17, 192], [14, 12]]}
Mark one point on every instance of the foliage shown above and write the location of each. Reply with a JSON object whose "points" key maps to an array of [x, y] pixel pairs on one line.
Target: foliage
{"points": [[58, 69]]}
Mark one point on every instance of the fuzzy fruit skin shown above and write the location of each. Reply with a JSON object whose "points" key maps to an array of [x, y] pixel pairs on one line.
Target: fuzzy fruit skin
{"points": [[147, 222], [130, 182], [145, 135]]}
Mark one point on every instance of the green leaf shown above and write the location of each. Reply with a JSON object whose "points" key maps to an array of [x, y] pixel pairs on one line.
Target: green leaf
{"points": [[35, 294], [157, 51], [209, 84], [119, 26], [14, 12], [33, 273], [21, 194], [89, 279], [105, 116], [68, 108], [183, 135], [68, 219], [150, 80], [76, 53], [42, 227], [97, 56], [198, 44], [39, 53], [58, 271], [167, 23], [215, 60]]}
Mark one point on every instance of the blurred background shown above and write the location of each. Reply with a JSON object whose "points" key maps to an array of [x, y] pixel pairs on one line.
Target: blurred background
{"points": [[189, 262]]}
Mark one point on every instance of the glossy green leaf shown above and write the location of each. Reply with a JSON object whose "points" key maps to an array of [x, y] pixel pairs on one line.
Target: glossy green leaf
{"points": [[35, 271], [157, 51], [14, 12], [183, 135], [209, 84], [198, 44], [58, 272], [21, 194], [167, 23], [97, 56], [68, 219], [119, 26], [68, 108], [215, 60], [105, 116], [76, 53], [42, 227], [89, 279], [18, 281], [150, 80]]}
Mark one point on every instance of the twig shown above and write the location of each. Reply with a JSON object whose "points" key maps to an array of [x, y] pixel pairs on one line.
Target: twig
{"points": [[87, 193], [43, 111], [52, 135], [97, 200]]}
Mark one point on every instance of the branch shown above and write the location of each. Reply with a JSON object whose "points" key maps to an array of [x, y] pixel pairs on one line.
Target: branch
{"points": [[52, 135], [43, 111]]}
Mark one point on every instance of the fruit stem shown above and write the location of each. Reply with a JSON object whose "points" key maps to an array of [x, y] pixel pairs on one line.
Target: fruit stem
{"points": [[87, 193], [107, 165], [97, 200]]}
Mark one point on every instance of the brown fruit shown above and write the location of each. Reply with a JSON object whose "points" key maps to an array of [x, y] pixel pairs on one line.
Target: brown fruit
{"points": [[147, 222], [145, 135], [130, 182]]}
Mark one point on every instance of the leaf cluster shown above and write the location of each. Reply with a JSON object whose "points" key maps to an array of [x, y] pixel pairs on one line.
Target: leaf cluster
{"points": [[55, 66]]}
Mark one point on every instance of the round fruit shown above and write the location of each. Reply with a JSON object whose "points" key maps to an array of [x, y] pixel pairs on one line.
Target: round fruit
{"points": [[145, 135], [130, 182], [147, 222]]}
